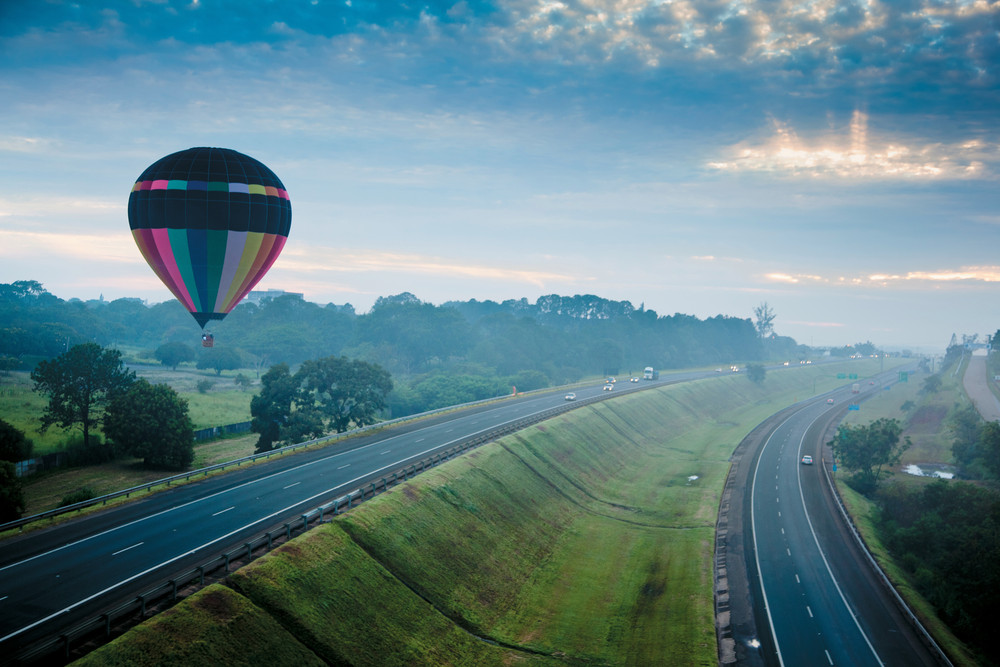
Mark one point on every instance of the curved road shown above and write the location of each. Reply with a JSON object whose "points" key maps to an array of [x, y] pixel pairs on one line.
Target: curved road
{"points": [[823, 603]]}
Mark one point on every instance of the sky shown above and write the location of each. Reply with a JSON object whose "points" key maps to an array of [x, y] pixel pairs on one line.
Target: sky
{"points": [[836, 159]]}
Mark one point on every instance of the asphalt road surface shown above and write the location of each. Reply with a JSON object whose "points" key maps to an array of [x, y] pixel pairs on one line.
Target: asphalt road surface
{"points": [[822, 601]]}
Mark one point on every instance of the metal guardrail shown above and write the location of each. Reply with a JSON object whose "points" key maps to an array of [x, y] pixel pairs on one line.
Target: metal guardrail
{"points": [[99, 629]]}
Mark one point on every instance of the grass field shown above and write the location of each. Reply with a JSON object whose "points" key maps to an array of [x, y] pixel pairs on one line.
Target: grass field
{"points": [[925, 423], [586, 539], [223, 404]]}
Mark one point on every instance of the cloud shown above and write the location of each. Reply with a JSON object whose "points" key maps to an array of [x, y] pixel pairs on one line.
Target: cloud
{"points": [[14, 144], [857, 156], [34, 207], [963, 275], [318, 260], [88, 247], [985, 274]]}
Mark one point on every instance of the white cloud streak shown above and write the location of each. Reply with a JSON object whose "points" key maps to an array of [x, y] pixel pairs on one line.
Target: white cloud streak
{"points": [[858, 156]]}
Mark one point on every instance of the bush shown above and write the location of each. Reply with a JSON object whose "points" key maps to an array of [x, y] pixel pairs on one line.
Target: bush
{"points": [[204, 386], [78, 496], [80, 454]]}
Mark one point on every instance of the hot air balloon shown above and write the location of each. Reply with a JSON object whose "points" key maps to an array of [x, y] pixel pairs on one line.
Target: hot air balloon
{"points": [[210, 222]]}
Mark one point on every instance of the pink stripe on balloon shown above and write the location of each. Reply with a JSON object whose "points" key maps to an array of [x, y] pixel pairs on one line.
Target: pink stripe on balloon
{"points": [[147, 246], [159, 185], [161, 238]]}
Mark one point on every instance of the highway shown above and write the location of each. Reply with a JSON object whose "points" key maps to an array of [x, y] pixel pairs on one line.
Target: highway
{"points": [[50, 579], [822, 602]]}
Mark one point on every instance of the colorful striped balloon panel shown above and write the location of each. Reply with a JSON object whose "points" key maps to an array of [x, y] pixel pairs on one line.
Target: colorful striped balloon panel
{"points": [[210, 222]]}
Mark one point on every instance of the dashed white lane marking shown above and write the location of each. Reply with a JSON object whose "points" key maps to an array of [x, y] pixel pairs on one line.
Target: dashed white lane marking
{"points": [[224, 511], [290, 485], [121, 551]]}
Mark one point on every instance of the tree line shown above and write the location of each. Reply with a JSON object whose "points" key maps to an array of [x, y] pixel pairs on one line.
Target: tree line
{"points": [[438, 355]]}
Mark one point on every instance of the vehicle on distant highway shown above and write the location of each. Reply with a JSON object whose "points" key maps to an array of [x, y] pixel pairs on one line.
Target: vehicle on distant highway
{"points": [[649, 374], [611, 380], [829, 401], [633, 379], [570, 396], [608, 387], [807, 460], [855, 388]]}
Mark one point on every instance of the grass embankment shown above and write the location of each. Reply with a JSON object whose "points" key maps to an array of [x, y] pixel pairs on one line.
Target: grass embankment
{"points": [[925, 422], [586, 539]]}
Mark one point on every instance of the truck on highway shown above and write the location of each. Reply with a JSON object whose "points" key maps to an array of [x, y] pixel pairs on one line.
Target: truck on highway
{"points": [[650, 374], [855, 388]]}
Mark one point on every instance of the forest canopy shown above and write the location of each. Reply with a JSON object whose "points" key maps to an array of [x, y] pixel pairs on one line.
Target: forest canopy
{"points": [[488, 347]]}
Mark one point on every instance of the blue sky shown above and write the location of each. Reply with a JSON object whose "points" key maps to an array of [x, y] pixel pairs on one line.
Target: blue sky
{"points": [[837, 159]]}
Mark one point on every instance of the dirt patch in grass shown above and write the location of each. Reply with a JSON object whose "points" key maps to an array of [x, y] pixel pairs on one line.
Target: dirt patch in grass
{"points": [[929, 416]]}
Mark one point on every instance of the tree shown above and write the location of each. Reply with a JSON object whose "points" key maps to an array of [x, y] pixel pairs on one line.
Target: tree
{"points": [[764, 317], [756, 373], [966, 426], [151, 421], [174, 353], [869, 450], [271, 408], [14, 446], [11, 493], [932, 384], [220, 359], [989, 445], [79, 384], [344, 391], [242, 381]]}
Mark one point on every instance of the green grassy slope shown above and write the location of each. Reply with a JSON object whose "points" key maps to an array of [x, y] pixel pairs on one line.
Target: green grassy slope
{"points": [[215, 626], [586, 539]]}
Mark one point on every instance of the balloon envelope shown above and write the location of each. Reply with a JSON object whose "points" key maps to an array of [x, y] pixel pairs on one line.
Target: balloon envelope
{"points": [[210, 222]]}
